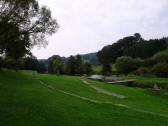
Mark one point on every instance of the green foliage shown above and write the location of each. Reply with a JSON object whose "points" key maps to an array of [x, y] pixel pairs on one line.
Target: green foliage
{"points": [[71, 66], [87, 68], [92, 58], [56, 65], [133, 46], [31, 63], [79, 65], [161, 57], [142, 67], [149, 62], [160, 69], [127, 64], [107, 68], [76, 66], [143, 71], [23, 25]]}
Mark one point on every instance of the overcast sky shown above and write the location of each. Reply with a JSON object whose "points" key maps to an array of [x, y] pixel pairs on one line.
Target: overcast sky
{"points": [[88, 25]]}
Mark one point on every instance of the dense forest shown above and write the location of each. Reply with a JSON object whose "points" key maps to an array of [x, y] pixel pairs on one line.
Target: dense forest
{"points": [[133, 54], [133, 46]]}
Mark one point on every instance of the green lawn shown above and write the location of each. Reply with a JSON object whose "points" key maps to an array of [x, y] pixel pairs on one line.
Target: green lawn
{"points": [[29, 99]]}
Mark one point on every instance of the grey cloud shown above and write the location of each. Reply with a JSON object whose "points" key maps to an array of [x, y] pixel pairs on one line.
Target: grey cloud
{"points": [[88, 25]]}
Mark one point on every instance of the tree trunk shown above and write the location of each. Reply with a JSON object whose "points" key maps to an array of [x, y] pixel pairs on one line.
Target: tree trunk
{"points": [[16, 64]]}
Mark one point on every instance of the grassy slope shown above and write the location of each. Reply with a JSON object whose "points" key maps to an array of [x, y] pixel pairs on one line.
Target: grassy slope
{"points": [[24, 101], [143, 99]]}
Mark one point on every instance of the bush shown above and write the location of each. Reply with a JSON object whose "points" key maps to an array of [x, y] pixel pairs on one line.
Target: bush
{"points": [[161, 57], [138, 62], [149, 62], [157, 58], [127, 64], [142, 71], [160, 69]]}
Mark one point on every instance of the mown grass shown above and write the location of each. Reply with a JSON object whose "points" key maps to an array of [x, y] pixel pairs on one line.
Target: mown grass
{"points": [[144, 99], [24, 101]]}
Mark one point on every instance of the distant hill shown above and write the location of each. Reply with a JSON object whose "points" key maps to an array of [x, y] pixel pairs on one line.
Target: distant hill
{"points": [[90, 57], [47, 61]]}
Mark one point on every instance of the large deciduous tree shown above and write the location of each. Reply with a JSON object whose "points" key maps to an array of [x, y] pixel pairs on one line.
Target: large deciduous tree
{"points": [[24, 25]]}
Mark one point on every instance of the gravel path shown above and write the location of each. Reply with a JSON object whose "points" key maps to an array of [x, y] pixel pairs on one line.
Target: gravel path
{"points": [[103, 91]]}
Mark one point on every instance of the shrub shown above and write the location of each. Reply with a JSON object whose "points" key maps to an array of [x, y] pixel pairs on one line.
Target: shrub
{"points": [[157, 58], [161, 57], [138, 62], [124, 64], [160, 69], [142, 71], [127, 64], [149, 62]]}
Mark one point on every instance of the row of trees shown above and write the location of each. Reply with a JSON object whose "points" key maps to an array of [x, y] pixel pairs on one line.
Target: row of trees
{"points": [[28, 63], [23, 25], [156, 65], [130, 47], [133, 46], [74, 66]]}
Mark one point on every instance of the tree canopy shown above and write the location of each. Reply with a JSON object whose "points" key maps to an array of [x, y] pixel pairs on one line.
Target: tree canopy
{"points": [[24, 24], [134, 46]]}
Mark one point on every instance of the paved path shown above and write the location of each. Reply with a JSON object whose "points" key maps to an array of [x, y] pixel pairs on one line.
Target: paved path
{"points": [[103, 91]]}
